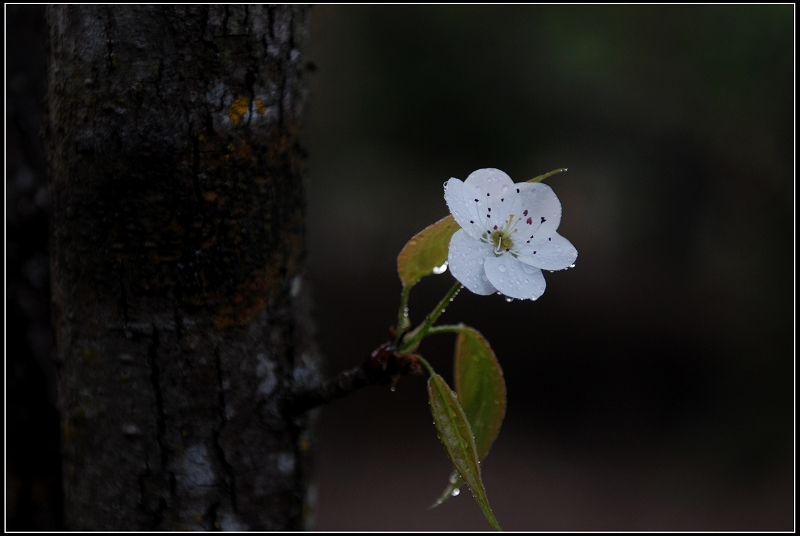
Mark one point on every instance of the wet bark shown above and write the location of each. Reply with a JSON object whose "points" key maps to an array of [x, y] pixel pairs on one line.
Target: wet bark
{"points": [[177, 262]]}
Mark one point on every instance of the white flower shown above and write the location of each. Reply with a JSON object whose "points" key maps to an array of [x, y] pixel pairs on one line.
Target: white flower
{"points": [[507, 236]]}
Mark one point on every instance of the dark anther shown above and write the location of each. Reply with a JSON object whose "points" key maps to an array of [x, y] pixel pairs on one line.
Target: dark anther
{"points": [[544, 219]]}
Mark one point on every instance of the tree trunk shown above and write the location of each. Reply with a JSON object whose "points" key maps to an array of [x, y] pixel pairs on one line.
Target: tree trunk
{"points": [[177, 253]]}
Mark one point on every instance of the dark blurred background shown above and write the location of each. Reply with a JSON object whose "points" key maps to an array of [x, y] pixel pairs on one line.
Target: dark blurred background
{"points": [[650, 388]]}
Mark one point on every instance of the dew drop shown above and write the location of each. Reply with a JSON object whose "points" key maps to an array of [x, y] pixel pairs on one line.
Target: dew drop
{"points": [[502, 267], [455, 492], [440, 269], [572, 265], [480, 260], [509, 300]]}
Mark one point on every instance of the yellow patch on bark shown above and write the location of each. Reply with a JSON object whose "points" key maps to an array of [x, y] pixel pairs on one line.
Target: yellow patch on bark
{"points": [[238, 109]]}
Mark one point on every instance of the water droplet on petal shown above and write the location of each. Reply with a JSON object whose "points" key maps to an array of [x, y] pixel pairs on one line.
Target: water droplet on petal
{"points": [[502, 267], [509, 300], [572, 265], [480, 260]]}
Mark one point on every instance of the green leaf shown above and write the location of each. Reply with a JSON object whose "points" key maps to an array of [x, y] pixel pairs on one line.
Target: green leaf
{"points": [[426, 251], [481, 391], [540, 178], [456, 436]]}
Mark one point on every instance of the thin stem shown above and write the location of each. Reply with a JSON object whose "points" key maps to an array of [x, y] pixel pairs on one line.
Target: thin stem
{"points": [[423, 329], [449, 328], [425, 364], [402, 315]]}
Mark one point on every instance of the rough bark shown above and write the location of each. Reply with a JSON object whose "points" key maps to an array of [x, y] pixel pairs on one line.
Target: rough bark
{"points": [[177, 254]]}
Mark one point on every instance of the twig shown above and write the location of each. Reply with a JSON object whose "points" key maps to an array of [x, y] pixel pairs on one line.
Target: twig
{"points": [[383, 367]]}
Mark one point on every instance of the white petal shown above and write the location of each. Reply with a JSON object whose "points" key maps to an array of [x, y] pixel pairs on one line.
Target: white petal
{"points": [[488, 194], [537, 212], [555, 253], [514, 279], [466, 258], [457, 203]]}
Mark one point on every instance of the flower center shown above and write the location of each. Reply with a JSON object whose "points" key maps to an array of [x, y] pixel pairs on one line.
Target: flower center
{"points": [[501, 241], [500, 237]]}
